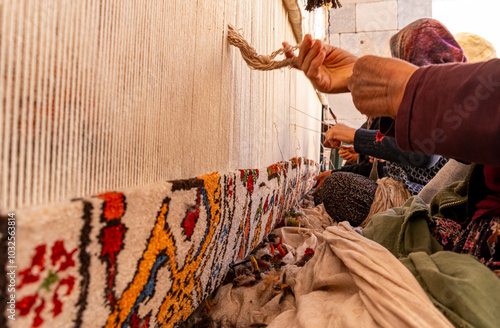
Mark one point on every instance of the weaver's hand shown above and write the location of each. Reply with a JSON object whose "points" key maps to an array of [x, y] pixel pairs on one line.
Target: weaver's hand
{"points": [[339, 133], [321, 178], [378, 84], [348, 153], [328, 67], [372, 159]]}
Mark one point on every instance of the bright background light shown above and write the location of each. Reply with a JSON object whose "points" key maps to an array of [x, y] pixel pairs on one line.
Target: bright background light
{"points": [[481, 17]]}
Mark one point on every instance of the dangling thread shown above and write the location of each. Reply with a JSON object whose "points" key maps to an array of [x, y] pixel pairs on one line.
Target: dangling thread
{"points": [[298, 142], [278, 140], [253, 59], [303, 127]]}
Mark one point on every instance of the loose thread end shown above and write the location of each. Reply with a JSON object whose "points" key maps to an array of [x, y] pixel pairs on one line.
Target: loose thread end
{"points": [[252, 58]]}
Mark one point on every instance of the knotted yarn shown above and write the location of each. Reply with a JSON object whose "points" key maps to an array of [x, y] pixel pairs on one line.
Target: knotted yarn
{"points": [[253, 59]]}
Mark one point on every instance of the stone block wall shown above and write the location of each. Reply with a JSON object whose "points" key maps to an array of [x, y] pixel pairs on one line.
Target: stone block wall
{"points": [[364, 27]]}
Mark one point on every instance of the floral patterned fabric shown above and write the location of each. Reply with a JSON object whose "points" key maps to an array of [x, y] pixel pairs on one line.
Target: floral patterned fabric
{"points": [[446, 232], [346, 196], [478, 238]]}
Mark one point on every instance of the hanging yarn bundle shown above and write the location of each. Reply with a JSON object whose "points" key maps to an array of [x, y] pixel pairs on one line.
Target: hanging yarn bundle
{"points": [[313, 4], [253, 59]]}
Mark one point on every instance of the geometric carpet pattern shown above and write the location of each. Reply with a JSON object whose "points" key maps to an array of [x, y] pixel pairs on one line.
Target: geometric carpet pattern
{"points": [[147, 256]]}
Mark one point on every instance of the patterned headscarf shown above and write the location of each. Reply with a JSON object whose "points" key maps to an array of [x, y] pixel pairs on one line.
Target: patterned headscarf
{"points": [[426, 41], [423, 42], [346, 196]]}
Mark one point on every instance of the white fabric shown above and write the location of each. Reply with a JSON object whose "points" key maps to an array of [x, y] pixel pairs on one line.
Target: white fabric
{"points": [[354, 282], [351, 281]]}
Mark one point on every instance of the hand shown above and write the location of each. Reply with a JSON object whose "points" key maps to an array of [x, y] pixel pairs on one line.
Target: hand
{"points": [[328, 67], [321, 178], [348, 153], [372, 159], [378, 84], [339, 133]]}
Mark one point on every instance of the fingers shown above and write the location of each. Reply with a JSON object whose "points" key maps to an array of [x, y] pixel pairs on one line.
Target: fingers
{"points": [[320, 184], [314, 73], [348, 148], [352, 158], [288, 54], [304, 48], [323, 175], [311, 57], [348, 153], [348, 156], [342, 133], [333, 137], [343, 154], [321, 178], [332, 143], [313, 60]]}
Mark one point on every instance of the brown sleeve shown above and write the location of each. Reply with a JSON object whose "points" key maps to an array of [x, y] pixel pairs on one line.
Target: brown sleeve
{"points": [[453, 110]]}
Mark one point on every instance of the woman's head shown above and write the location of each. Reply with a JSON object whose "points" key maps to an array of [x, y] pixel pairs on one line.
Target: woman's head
{"points": [[476, 48], [346, 196], [426, 41]]}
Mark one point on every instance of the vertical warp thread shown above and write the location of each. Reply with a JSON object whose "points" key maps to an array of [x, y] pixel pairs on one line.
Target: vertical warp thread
{"points": [[59, 96], [3, 137], [25, 124], [114, 172], [16, 94], [95, 95], [68, 162], [6, 70]]}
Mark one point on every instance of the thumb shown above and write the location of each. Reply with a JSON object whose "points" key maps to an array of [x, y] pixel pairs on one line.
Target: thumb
{"points": [[288, 53]]}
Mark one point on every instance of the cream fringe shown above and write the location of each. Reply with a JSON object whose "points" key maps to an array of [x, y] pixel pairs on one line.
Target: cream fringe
{"points": [[390, 193]]}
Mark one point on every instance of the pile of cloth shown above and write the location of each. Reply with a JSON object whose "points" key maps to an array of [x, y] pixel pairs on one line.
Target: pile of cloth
{"points": [[312, 272]]}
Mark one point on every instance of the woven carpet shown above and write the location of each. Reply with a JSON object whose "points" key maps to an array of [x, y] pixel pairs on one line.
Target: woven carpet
{"points": [[147, 256]]}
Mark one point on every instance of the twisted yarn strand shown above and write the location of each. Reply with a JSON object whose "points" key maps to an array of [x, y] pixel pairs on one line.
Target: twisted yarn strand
{"points": [[253, 59]]}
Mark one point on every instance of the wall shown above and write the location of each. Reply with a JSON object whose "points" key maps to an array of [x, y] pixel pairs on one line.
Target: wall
{"points": [[101, 95], [364, 27], [460, 16]]}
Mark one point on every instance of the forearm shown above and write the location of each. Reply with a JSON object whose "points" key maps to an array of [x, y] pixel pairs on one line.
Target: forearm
{"points": [[365, 142], [453, 110]]}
